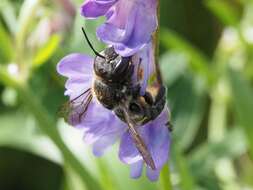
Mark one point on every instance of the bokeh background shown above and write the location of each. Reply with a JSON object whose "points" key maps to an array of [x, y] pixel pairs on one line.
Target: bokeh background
{"points": [[206, 58]]}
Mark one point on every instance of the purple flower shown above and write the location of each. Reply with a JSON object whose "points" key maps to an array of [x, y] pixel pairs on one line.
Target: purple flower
{"points": [[102, 128], [129, 23]]}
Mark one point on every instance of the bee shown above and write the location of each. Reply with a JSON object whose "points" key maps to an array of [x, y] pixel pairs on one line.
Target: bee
{"points": [[114, 89]]}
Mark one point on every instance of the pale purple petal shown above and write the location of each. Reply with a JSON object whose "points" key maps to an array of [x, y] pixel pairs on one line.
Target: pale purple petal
{"points": [[96, 8], [136, 169], [152, 174], [144, 64], [104, 142], [101, 127], [78, 68], [129, 24], [105, 134], [127, 150], [75, 65], [95, 115], [158, 138], [75, 87], [120, 25], [108, 126]]}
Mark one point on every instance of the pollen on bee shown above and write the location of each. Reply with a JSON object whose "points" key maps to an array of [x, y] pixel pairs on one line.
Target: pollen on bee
{"points": [[140, 74]]}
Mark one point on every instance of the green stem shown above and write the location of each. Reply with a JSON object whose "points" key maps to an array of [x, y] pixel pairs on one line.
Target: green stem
{"points": [[156, 47], [186, 180], [106, 177], [48, 126], [218, 114], [165, 180]]}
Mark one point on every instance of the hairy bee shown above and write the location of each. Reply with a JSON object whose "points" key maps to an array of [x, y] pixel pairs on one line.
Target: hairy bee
{"points": [[114, 89]]}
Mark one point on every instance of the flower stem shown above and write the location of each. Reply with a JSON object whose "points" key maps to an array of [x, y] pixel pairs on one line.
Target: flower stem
{"points": [[156, 47], [165, 181], [48, 126]]}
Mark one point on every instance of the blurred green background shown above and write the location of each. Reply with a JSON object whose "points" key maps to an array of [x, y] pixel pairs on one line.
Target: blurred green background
{"points": [[206, 57]]}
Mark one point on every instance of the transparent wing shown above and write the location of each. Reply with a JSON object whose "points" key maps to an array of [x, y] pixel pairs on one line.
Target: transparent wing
{"points": [[74, 110]]}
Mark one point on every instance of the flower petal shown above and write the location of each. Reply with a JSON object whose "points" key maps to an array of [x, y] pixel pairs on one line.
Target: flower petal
{"points": [[101, 127], [152, 174], [136, 169], [75, 65], [104, 142], [157, 137], [128, 153], [128, 28], [144, 67], [96, 8], [78, 68]]}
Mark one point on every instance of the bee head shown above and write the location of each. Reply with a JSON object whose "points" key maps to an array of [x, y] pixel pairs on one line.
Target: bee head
{"points": [[112, 66], [108, 64]]}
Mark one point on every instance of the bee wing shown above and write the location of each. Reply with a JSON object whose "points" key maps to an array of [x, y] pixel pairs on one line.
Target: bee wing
{"points": [[73, 111], [139, 143]]}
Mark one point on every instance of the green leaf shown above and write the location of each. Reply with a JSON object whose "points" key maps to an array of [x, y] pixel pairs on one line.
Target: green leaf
{"points": [[217, 122], [187, 110], [47, 51], [232, 145], [242, 97], [71, 179], [8, 13], [198, 61], [172, 66], [186, 178], [227, 14], [165, 179], [6, 48], [17, 130], [25, 18], [106, 175]]}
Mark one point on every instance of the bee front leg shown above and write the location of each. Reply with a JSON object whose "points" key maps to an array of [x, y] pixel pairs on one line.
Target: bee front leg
{"points": [[148, 98], [160, 101], [161, 94]]}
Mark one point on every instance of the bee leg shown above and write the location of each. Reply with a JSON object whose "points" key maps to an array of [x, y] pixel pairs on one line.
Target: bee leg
{"points": [[161, 94], [159, 103], [170, 126], [139, 70], [148, 98], [130, 71]]}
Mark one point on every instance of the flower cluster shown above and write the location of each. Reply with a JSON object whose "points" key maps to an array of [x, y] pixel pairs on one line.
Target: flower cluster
{"points": [[129, 30], [129, 23]]}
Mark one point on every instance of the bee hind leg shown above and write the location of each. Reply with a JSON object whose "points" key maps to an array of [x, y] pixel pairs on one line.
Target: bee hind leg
{"points": [[170, 126]]}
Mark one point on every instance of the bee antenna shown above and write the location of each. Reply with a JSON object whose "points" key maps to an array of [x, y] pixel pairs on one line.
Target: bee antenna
{"points": [[87, 39]]}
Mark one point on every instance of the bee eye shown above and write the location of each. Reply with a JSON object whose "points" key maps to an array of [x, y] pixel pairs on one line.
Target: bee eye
{"points": [[135, 108]]}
